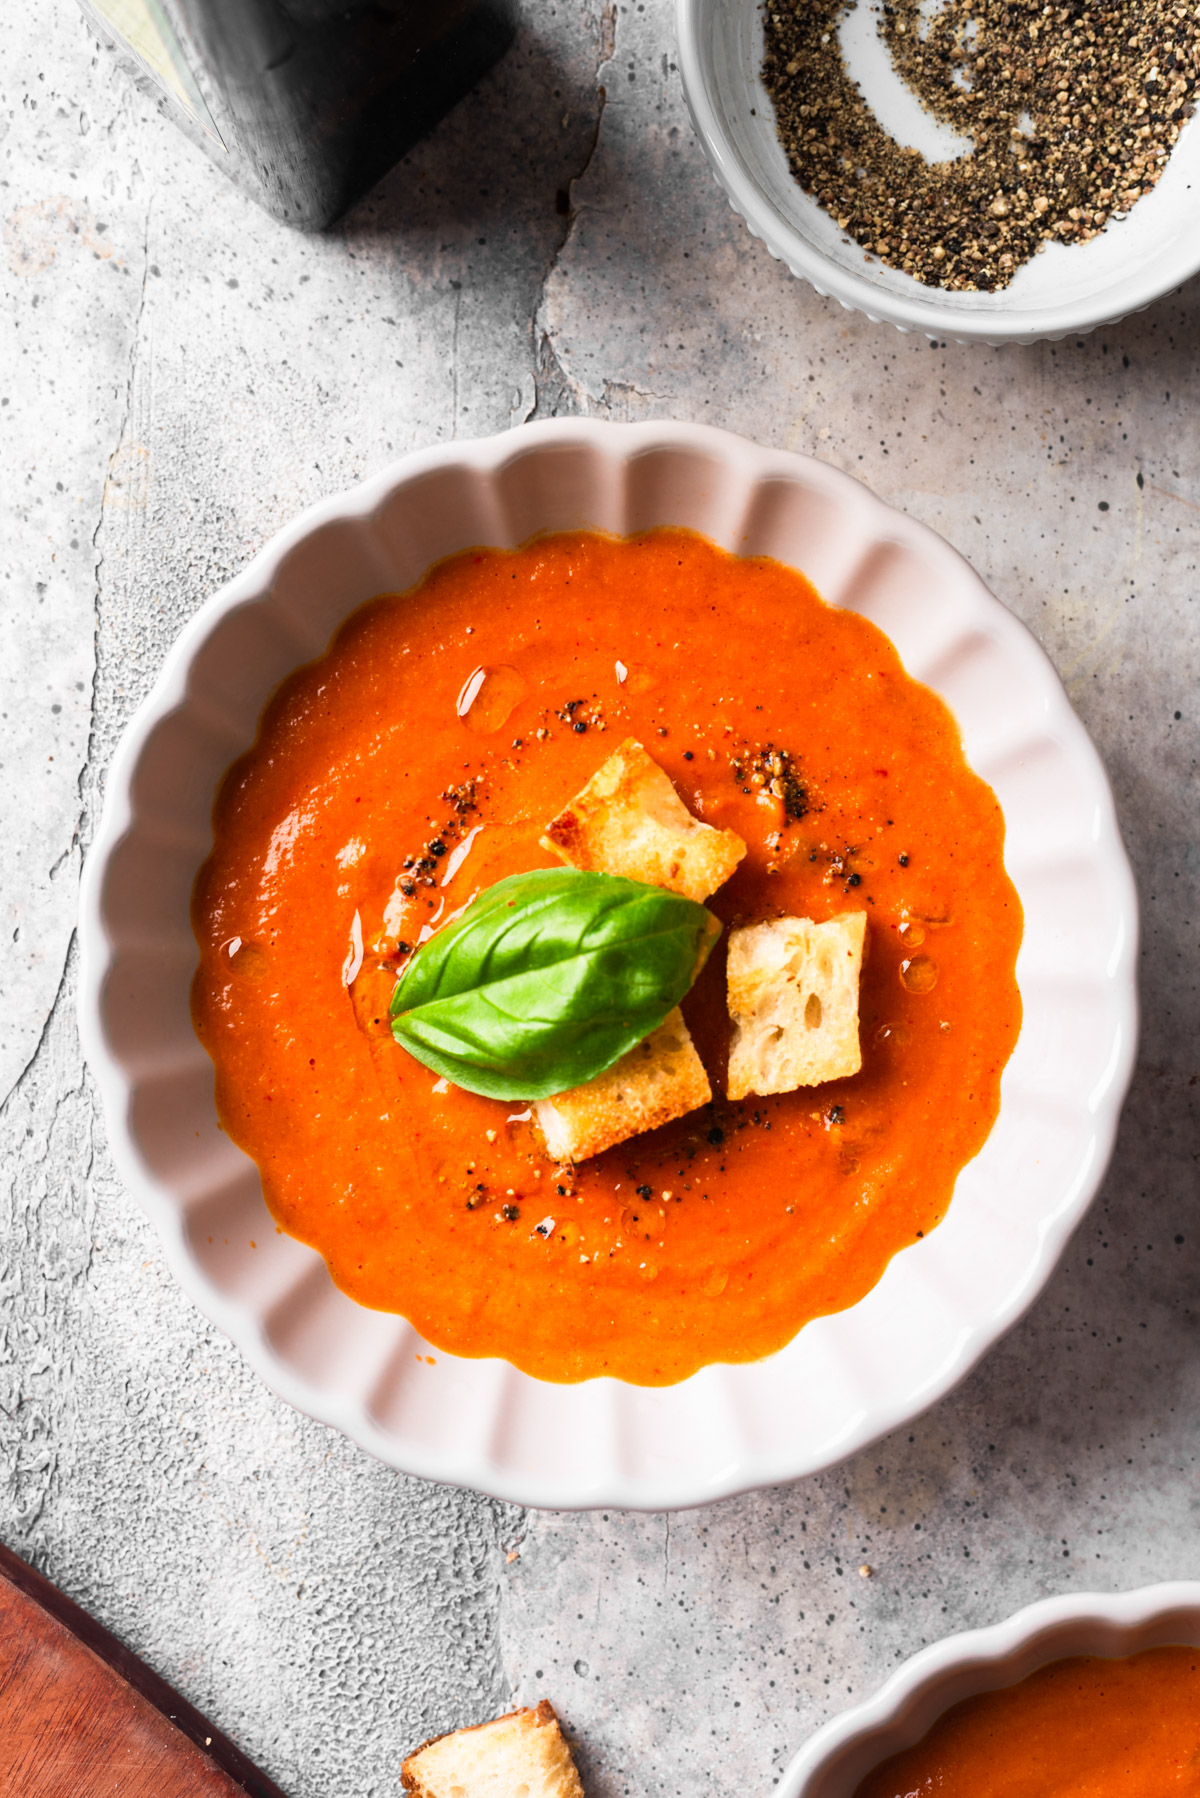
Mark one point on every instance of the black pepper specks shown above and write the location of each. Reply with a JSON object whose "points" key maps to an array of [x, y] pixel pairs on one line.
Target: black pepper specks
{"points": [[772, 771], [419, 870]]}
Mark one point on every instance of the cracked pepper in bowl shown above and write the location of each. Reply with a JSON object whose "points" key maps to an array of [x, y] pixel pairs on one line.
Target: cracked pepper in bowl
{"points": [[1072, 110]]}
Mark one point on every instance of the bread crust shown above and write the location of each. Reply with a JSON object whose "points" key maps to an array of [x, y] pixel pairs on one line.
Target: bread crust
{"points": [[661, 1078], [629, 820]]}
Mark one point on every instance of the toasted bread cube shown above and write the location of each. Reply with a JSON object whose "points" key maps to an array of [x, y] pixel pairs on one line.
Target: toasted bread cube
{"points": [[659, 1079], [523, 1753], [630, 820], [793, 998]]}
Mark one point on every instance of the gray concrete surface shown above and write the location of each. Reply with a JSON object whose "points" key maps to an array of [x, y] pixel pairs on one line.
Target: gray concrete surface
{"points": [[178, 375]]}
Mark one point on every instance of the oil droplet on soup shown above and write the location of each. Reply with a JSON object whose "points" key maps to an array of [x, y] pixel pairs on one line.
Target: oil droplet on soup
{"points": [[919, 975], [489, 697], [250, 960], [644, 1221]]}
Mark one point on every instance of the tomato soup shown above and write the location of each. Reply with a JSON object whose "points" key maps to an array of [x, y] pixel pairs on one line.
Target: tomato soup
{"points": [[416, 763], [1081, 1728]]}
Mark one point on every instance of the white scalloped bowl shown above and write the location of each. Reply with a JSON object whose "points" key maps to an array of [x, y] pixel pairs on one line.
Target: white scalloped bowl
{"points": [[1064, 290], [848, 1747], [845, 1379]]}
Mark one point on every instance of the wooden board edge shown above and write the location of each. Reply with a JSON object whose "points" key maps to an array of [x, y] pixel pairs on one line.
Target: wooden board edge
{"points": [[106, 1647]]}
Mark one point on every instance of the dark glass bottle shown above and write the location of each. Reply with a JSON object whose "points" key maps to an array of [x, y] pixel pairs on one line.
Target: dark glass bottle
{"points": [[305, 103]]}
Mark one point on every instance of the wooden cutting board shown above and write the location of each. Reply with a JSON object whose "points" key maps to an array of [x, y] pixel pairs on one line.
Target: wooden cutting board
{"points": [[82, 1717]]}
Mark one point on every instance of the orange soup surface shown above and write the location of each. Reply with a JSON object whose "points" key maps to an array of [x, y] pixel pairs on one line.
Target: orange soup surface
{"points": [[1080, 1728], [419, 761]]}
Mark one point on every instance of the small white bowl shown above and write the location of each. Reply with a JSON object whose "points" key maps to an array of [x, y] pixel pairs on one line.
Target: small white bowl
{"points": [[844, 1379], [1061, 291], [831, 1763]]}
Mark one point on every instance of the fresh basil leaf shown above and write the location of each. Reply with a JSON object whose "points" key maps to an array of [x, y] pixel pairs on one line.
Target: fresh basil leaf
{"points": [[548, 978]]}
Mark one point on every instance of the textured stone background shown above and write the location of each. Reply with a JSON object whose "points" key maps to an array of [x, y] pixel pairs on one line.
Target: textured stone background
{"points": [[178, 376]]}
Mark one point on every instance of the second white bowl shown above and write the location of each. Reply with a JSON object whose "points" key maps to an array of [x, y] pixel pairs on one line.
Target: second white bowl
{"points": [[1063, 290], [832, 1763]]}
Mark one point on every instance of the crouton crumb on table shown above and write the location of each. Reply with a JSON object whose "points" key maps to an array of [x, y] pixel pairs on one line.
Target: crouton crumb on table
{"points": [[523, 1752]]}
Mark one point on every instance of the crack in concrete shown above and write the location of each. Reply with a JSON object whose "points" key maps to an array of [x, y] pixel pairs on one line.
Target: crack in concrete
{"points": [[555, 390], [88, 775], [44, 1033], [627, 391], [49, 1155], [608, 32], [86, 779], [454, 364]]}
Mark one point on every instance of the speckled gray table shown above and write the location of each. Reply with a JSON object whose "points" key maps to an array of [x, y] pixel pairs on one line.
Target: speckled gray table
{"points": [[178, 376]]}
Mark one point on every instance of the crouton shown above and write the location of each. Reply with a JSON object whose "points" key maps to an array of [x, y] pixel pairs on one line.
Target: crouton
{"points": [[659, 1079], [522, 1755], [793, 998], [630, 820]]}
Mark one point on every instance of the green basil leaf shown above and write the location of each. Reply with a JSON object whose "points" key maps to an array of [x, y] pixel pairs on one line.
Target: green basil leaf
{"points": [[548, 978]]}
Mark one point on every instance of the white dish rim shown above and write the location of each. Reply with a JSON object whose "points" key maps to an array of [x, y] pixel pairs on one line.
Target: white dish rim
{"points": [[476, 1468]]}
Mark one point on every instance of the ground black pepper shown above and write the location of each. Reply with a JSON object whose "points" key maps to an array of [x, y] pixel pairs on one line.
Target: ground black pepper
{"points": [[771, 770], [419, 870], [1073, 110]]}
